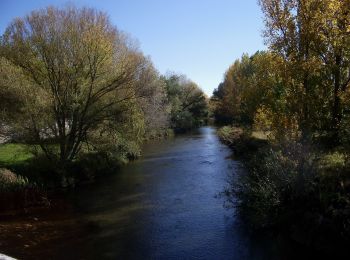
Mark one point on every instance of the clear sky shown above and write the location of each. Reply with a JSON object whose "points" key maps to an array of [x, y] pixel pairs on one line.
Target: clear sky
{"points": [[199, 38]]}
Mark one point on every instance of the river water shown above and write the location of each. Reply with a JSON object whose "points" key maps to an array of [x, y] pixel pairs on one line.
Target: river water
{"points": [[163, 206]]}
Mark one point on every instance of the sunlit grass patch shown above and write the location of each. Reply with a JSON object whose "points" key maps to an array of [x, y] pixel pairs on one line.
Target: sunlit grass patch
{"points": [[11, 154]]}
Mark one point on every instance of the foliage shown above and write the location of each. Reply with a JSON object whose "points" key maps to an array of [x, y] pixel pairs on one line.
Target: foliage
{"points": [[302, 81], [230, 135], [276, 180], [188, 103], [248, 84], [79, 77], [241, 140], [295, 189], [9, 181], [312, 38], [298, 92], [77, 96]]}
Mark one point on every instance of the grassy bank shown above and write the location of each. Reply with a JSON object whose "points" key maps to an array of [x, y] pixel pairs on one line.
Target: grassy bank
{"points": [[29, 180], [293, 188], [14, 154]]}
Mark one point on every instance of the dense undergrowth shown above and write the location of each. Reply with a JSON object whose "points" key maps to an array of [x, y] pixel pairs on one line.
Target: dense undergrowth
{"points": [[294, 188]]}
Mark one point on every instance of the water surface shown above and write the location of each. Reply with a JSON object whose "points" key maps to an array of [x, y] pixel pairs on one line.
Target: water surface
{"points": [[163, 206], [166, 206]]}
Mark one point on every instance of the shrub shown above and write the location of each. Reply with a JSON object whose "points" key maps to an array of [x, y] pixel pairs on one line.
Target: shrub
{"points": [[17, 193], [230, 135], [10, 181], [289, 187], [275, 179], [240, 140]]}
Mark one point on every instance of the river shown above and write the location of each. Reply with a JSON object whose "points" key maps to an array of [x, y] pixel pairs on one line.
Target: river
{"points": [[163, 206]]}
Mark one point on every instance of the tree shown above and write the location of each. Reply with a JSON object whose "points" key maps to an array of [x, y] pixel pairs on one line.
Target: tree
{"points": [[312, 36], [188, 103], [333, 25], [152, 99], [247, 84], [290, 33], [11, 102], [80, 72]]}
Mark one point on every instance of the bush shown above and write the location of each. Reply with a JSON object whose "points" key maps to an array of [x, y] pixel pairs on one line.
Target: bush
{"points": [[17, 193], [275, 179], [230, 135], [240, 140], [290, 188], [10, 181], [91, 165]]}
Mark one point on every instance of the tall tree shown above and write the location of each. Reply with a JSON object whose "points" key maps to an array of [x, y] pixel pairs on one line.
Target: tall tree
{"points": [[313, 38], [290, 33], [81, 69], [333, 46]]}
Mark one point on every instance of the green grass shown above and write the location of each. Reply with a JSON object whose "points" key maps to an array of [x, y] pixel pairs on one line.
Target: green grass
{"points": [[14, 154]]}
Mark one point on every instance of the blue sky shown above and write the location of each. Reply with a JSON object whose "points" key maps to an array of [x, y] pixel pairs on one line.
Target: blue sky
{"points": [[199, 38]]}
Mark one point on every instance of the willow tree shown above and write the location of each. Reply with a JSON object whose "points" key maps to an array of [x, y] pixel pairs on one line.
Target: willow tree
{"points": [[79, 72]]}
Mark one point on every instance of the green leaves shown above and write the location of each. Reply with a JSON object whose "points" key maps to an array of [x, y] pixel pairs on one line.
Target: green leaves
{"points": [[189, 107], [77, 77]]}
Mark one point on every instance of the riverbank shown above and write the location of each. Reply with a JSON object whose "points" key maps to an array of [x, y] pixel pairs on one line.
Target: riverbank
{"points": [[293, 189], [29, 183]]}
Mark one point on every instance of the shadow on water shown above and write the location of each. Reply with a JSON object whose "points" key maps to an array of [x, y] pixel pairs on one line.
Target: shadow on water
{"points": [[162, 206]]}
